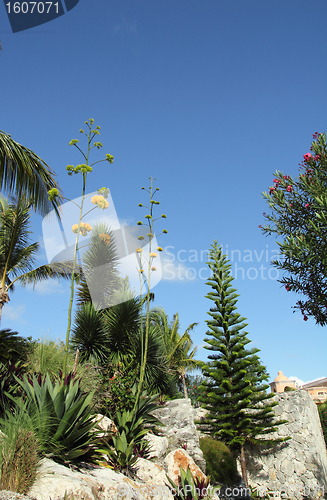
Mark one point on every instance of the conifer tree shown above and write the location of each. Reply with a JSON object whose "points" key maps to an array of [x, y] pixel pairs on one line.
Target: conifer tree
{"points": [[234, 394]]}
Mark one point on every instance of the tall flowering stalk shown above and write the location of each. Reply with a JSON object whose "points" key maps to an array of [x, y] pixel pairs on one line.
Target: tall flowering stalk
{"points": [[82, 228], [147, 262]]}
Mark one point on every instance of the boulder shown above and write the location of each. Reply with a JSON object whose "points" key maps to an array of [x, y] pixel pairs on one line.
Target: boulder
{"points": [[106, 425], [180, 458], [99, 483], [159, 445]]}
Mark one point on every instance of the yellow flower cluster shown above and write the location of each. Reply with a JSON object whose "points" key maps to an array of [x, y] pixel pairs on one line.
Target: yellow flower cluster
{"points": [[139, 250], [105, 237], [153, 254], [153, 268], [100, 201], [84, 228]]}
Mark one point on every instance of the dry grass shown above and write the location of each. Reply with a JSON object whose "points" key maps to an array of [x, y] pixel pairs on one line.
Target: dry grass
{"points": [[18, 457]]}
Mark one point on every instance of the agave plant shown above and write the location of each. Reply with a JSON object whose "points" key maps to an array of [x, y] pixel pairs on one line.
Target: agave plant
{"points": [[62, 417], [129, 443]]}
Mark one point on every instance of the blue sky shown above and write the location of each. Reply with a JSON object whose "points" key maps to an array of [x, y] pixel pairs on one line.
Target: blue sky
{"points": [[210, 98]]}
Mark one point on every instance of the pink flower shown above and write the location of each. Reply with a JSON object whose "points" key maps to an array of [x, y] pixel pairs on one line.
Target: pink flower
{"points": [[290, 205], [289, 189], [260, 226], [305, 318], [287, 287], [272, 189], [306, 205], [307, 156]]}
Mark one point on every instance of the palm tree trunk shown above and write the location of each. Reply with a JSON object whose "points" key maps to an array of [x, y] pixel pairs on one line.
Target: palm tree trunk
{"points": [[184, 386], [4, 298], [243, 467]]}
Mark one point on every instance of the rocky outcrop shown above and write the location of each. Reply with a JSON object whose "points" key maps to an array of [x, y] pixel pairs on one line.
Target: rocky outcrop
{"points": [[178, 417], [150, 480], [54, 481], [297, 467]]}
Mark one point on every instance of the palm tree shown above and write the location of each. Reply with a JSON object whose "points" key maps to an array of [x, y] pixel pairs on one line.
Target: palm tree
{"points": [[12, 347], [100, 280], [17, 256], [178, 347], [23, 173], [112, 337]]}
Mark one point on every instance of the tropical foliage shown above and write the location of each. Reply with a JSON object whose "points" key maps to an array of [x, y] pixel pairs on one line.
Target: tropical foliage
{"points": [[190, 487], [177, 347], [18, 255], [61, 416], [12, 347], [23, 173]]}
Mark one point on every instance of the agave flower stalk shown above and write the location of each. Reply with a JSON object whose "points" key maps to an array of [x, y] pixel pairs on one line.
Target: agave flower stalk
{"points": [[147, 279], [81, 228]]}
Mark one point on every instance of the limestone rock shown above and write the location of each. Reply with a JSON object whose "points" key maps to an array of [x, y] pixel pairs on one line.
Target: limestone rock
{"points": [[178, 417], [54, 480], [159, 445], [104, 423], [180, 458]]}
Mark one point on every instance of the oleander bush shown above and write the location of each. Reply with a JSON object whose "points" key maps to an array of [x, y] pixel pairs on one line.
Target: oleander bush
{"points": [[193, 384], [221, 465]]}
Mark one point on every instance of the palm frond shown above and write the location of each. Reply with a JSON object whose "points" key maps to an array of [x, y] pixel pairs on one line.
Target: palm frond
{"points": [[89, 334], [100, 275], [54, 270], [122, 323], [27, 175]]}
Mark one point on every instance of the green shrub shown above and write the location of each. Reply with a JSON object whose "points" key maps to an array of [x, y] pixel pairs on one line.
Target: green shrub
{"points": [[9, 386], [221, 465], [116, 392], [322, 409], [46, 356], [19, 453]]}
